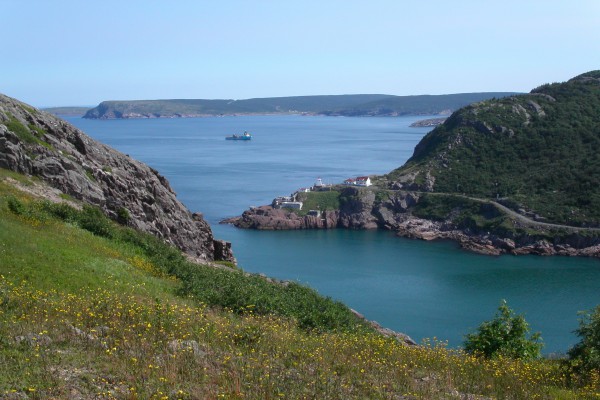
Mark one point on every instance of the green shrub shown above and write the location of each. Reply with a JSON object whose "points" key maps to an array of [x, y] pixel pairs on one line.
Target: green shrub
{"points": [[16, 206], [92, 219], [585, 355], [34, 211], [123, 216], [381, 196], [505, 335], [90, 175], [243, 293], [63, 211], [31, 134], [16, 127], [440, 207]]}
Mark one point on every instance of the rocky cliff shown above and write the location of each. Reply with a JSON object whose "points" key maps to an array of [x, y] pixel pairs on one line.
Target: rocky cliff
{"points": [[478, 226], [37, 143]]}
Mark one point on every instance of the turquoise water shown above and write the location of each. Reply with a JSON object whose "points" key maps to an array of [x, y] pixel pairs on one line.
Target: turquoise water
{"points": [[420, 288]]}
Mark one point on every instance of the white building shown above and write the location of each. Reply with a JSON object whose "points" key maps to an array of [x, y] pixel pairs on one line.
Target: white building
{"points": [[360, 181]]}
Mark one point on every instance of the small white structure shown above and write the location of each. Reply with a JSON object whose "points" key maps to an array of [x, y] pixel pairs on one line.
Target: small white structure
{"points": [[359, 181], [280, 199], [319, 186]]}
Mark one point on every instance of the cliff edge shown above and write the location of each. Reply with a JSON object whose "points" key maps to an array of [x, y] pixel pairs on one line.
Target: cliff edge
{"points": [[37, 143]]}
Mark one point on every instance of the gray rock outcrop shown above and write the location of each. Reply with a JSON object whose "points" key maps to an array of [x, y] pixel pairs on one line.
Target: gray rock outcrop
{"points": [[37, 143], [269, 218]]}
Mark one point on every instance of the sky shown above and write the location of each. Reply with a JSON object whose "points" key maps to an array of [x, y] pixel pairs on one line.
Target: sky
{"points": [[79, 53]]}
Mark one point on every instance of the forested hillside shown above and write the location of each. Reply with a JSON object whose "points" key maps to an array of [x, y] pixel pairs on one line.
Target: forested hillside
{"points": [[538, 153]]}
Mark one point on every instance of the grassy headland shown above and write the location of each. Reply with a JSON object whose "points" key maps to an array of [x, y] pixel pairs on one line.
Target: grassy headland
{"points": [[328, 200]]}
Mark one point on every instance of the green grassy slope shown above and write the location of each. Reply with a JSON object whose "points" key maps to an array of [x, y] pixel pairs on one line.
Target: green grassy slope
{"points": [[89, 309]]}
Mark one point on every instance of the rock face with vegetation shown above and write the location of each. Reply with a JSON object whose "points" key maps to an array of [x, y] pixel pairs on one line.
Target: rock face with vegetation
{"points": [[517, 175], [537, 153], [37, 143], [354, 208]]}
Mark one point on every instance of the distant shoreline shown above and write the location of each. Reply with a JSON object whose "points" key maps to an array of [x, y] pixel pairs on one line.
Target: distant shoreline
{"points": [[335, 105], [303, 114], [67, 111]]}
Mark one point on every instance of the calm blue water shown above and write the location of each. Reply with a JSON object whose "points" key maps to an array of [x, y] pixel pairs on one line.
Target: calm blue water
{"points": [[422, 289]]}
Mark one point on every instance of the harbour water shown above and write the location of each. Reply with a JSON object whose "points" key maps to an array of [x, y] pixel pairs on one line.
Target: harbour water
{"points": [[420, 288]]}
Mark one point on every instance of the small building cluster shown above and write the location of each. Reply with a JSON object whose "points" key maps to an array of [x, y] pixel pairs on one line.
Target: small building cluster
{"points": [[292, 202], [359, 181], [287, 202]]}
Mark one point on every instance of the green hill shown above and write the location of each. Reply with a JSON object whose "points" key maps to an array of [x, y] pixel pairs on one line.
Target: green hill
{"points": [[537, 153], [349, 105]]}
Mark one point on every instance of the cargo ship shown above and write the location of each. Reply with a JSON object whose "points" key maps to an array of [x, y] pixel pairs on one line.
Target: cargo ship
{"points": [[244, 136]]}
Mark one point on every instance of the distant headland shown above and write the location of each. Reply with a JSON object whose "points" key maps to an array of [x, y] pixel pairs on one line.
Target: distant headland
{"points": [[358, 105]]}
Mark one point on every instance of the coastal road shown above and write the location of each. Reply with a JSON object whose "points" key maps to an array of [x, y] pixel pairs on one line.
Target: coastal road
{"points": [[519, 217]]}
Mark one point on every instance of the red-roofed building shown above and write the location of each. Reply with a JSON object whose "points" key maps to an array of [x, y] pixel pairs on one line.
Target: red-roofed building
{"points": [[360, 181]]}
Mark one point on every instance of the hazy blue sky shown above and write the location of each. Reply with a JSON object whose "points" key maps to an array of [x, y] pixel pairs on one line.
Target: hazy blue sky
{"points": [[82, 52]]}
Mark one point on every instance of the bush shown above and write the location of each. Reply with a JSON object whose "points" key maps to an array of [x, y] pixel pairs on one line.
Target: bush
{"points": [[505, 335], [16, 206], [585, 355], [123, 216], [243, 293], [92, 219]]}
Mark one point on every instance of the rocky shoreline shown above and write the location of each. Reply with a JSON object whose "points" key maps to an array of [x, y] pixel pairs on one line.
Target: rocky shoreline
{"points": [[395, 214], [431, 122]]}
